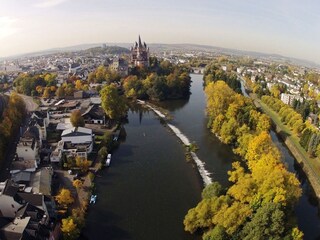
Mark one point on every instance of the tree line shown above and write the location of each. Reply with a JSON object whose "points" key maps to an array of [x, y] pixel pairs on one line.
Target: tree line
{"points": [[162, 80], [35, 84], [213, 72], [260, 201], [309, 135], [12, 117]]}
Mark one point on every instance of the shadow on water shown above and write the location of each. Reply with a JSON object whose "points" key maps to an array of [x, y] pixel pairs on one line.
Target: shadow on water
{"points": [[173, 105], [107, 229]]}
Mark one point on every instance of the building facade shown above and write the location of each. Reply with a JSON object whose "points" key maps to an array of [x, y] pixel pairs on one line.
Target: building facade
{"points": [[140, 54], [289, 98]]}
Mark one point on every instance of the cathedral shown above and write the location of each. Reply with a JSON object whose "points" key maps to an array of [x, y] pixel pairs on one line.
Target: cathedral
{"points": [[140, 54]]}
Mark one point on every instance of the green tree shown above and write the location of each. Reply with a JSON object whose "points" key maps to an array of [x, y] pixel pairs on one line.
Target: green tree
{"points": [[113, 104], [103, 152], [76, 119], [212, 190], [217, 233], [60, 93], [267, 223]]}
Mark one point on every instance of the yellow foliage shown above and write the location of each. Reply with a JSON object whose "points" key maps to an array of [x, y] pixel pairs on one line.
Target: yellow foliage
{"points": [[68, 225], [218, 98], [232, 217], [64, 197], [261, 144], [297, 234], [77, 183], [83, 164], [78, 85]]}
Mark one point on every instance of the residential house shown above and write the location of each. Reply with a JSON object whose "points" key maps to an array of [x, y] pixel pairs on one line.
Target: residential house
{"points": [[94, 114], [25, 216], [75, 141], [120, 66], [27, 149], [42, 119], [74, 67]]}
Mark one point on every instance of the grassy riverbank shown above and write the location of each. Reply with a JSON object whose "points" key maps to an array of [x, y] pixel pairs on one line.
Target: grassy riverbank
{"points": [[311, 166]]}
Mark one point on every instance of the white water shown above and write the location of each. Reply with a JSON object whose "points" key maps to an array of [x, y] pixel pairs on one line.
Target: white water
{"points": [[179, 134], [205, 174]]}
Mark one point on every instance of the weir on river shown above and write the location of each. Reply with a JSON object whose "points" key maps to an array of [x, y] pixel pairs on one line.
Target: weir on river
{"points": [[205, 175]]}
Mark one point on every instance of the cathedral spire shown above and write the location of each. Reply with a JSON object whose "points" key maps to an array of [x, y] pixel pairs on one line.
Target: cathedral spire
{"points": [[140, 44]]}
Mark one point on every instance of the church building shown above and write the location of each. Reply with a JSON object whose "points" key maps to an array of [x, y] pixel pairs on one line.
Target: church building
{"points": [[140, 54]]}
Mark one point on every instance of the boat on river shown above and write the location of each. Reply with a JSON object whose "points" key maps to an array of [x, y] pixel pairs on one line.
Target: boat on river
{"points": [[93, 199], [108, 161]]}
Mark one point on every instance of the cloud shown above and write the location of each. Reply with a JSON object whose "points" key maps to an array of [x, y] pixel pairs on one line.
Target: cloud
{"points": [[49, 3], [6, 26]]}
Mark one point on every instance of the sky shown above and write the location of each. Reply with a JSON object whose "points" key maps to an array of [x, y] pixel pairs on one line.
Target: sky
{"points": [[287, 27]]}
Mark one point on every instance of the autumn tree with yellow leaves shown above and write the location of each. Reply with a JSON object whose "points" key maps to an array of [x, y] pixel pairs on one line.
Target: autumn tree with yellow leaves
{"points": [[64, 197], [77, 184], [259, 203], [13, 114], [70, 229]]}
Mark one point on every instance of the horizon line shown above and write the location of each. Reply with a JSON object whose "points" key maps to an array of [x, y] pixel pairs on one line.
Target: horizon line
{"points": [[159, 43]]}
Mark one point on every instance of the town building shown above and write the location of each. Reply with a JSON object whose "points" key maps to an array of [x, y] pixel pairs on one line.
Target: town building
{"points": [[95, 114], [289, 98], [120, 66], [26, 215], [140, 54], [75, 141]]}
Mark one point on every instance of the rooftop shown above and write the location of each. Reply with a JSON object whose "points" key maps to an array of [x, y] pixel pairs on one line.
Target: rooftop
{"points": [[76, 131]]}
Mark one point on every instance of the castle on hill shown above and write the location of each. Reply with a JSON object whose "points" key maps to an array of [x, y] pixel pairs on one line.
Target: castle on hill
{"points": [[140, 54]]}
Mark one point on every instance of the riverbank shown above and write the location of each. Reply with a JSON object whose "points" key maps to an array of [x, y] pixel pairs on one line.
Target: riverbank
{"points": [[308, 165]]}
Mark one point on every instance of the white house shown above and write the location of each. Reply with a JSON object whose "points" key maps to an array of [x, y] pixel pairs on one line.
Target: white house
{"points": [[76, 141], [27, 149], [77, 135]]}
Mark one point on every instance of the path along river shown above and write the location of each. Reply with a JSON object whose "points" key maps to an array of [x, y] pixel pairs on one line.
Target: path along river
{"points": [[149, 186]]}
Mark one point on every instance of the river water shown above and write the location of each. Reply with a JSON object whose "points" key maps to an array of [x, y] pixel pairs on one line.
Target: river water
{"points": [[149, 186]]}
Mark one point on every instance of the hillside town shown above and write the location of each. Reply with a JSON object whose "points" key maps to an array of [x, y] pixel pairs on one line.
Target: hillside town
{"points": [[48, 140]]}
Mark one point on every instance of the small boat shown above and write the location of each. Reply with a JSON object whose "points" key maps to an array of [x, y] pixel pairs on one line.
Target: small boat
{"points": [[93, 199], [108, 162]]}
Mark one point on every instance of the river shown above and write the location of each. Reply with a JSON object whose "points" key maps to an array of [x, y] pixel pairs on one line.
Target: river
{"points": [[149, 186]]}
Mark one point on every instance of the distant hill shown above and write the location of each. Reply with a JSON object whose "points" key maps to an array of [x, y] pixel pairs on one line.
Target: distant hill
{"points": [[155, 47], [160, 47], [108, 50]]}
